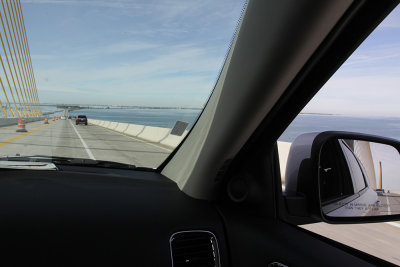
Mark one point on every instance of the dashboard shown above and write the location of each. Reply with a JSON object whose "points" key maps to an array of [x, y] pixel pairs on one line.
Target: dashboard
{"points": [[88, 216], [97, 216]]}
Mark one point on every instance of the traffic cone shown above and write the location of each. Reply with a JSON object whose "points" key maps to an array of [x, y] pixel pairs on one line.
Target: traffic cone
{"points": [[21, 125], [46, 120]]}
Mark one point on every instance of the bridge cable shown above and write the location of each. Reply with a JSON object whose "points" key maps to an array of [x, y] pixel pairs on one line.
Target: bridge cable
{"points": [[19, 50], [8, 62], [8, 81], [4, 111], [5, 94], [29, 56], [24, 53], [22, 56], [26, 100]]}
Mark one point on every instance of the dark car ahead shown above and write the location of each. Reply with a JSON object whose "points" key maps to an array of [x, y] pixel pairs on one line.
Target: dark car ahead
{"points": [[81, 119]]}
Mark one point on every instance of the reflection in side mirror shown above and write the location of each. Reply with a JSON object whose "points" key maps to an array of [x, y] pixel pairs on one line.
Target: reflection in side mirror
{"points": [[359, 178]]}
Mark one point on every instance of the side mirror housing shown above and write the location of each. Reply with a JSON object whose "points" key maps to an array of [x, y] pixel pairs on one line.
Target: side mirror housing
{"points": [[343, 177]]}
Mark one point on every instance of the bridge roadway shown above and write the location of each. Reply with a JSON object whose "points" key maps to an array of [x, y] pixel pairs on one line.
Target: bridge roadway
{"points": [[63, 138], [389, 203]]}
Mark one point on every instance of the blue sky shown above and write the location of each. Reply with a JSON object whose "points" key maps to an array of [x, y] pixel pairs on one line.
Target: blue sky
{"points": [[154, 53], [368, 83], [169, 53]]}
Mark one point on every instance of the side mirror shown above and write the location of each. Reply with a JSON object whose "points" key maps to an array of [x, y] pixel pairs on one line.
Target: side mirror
{"points": [[341, 177]]}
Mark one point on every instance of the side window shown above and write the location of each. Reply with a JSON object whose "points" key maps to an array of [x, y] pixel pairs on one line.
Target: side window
{"points": [[362, 96]]}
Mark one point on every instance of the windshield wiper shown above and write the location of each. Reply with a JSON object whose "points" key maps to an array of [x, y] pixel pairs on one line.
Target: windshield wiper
{"points": [[72, 161]]}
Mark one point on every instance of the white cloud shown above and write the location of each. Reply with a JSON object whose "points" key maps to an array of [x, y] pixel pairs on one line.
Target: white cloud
{"points": [[378, 53], [393, 20], [166, 11], [362, 95], [44, 88], [125, 50], [113, 4], [41, 57], [185, 72], [115, 48]]}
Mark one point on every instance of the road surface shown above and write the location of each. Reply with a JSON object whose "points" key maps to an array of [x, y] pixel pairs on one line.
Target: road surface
{"points": [[388, 204], [65, 139], [379, 239]]}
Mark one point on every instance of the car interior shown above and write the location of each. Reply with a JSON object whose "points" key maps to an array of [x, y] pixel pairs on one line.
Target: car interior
{"points": [[217, 199]]}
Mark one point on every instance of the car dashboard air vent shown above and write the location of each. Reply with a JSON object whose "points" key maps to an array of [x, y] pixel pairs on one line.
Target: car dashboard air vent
{"points": [[194, 248]]}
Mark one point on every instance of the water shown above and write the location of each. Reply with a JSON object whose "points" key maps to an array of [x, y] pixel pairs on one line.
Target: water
{"points": [[382, 126], [304, 123], [151, 117], [48, 109]]}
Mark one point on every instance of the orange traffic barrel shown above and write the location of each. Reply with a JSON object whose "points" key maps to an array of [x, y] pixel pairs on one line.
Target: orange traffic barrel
{"points": [[21, 125], [54, 118], [46, 120]]}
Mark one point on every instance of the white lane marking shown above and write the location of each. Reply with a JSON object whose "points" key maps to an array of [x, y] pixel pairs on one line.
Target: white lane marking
{"points": [[394, 224], [388, 206], [83, 142]]}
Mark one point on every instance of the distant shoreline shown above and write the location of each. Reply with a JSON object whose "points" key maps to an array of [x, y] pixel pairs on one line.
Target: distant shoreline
{"points": [[114, 107], [316, 113], [111, 107]]}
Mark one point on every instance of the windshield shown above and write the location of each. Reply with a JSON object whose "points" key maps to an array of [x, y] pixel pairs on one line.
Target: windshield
{"points": [[121, 81]]}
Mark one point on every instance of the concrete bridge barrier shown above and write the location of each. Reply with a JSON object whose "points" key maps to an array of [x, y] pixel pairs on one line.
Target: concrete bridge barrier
{"points": [[8, 121], [112, 125], [173, 140], [134, 129], [14, 121], [164, 137], [283, 151], [95, 122], [32, 119], [154, 134], [121, 127]]}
